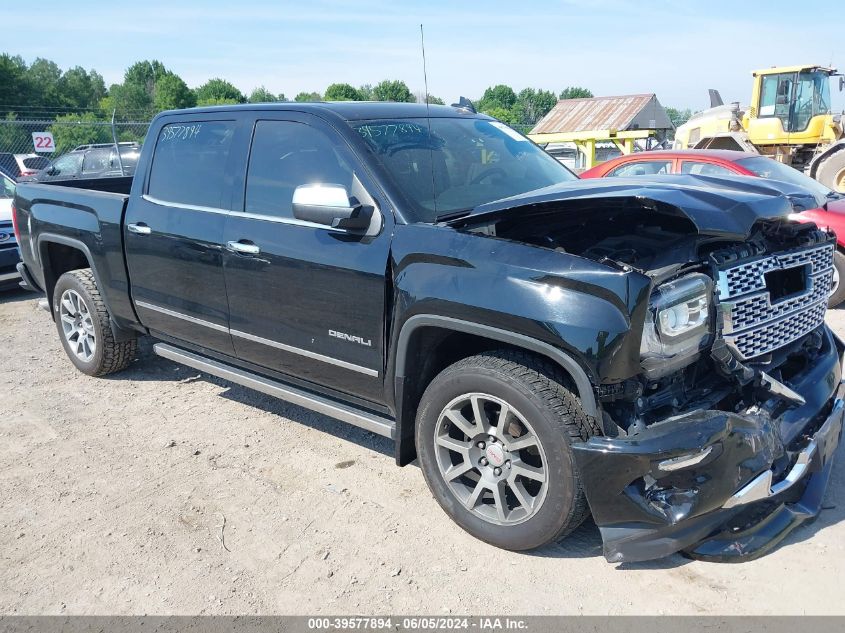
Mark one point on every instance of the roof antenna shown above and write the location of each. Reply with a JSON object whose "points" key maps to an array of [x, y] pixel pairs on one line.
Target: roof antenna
{"points": [[425, 73], [428, 118]]}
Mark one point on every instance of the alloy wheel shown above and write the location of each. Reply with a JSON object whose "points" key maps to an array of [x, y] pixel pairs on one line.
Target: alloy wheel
{"points": [[77, 325], [491, 459]]}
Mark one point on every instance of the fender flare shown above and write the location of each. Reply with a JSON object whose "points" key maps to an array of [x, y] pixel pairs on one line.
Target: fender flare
{"points": [[579, 376], [404, 434], [119, 333]]}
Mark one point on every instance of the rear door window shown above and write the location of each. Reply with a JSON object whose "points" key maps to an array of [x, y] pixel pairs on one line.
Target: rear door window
{"points": [[36, 162], [189, 163], [10, 165], [7, 187], [699, 168], [67, 165], [642, 168], [96, 161]]}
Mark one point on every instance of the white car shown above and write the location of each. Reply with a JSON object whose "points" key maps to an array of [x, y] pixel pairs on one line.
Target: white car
{"points": [[9, 254]]}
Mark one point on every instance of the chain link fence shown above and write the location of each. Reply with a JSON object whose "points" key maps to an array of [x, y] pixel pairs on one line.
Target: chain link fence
{"points": [[29, 135]]}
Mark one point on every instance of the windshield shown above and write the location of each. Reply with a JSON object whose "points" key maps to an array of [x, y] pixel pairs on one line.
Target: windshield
{"points": [[458, 164], [812, 97], [795, 98], [769, 168]]}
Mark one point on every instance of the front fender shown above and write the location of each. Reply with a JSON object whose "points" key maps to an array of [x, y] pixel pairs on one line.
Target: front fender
{"points": [[591, 311]]}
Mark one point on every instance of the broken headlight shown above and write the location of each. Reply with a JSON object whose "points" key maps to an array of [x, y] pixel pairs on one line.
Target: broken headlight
{"points": [[678, 325]]}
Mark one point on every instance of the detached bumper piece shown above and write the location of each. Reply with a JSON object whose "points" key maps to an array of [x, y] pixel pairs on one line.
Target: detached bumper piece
{"points": [[717, 485], [763, 525]]}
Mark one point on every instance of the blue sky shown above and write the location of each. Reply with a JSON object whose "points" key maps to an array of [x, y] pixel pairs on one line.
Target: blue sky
{"points": [[677, 48]]}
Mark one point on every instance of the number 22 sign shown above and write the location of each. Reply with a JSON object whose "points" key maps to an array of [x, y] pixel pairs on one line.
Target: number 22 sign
{"points": [[43, 141]]}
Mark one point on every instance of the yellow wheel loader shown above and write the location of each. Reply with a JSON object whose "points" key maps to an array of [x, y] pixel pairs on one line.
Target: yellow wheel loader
{"points": [[789, 119]]}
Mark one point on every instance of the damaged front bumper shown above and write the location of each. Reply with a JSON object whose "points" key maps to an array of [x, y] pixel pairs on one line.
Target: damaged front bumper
{"points": [[718, 485]]}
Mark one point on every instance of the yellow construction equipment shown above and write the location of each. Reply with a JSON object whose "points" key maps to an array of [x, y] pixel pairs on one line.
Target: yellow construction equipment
{"points": [[789, 119]]}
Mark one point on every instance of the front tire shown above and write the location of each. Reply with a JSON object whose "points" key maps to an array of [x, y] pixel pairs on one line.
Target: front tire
{"points": [[494, 436], [837, 291], [831, 173], [82, 321]]}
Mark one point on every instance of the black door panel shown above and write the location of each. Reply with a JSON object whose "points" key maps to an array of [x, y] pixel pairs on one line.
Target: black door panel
{"points": [[174, 233], [310, 303], [177, 273]]}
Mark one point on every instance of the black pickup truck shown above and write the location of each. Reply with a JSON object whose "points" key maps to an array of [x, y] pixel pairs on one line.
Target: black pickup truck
{"points": [[653, 353]]}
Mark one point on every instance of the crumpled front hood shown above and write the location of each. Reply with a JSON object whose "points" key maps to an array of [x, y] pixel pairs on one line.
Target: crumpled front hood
{"points": [[726, 206]]}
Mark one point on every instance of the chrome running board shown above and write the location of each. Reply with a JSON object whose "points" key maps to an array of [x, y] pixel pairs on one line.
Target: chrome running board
{"points": [[321, 404]]}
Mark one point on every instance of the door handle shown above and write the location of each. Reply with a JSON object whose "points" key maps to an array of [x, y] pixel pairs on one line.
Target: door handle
{"points": [[241, 247], [139, 229]]}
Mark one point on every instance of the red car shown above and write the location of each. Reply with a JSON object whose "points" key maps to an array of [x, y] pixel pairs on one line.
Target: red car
{"points": [[716, 162]]}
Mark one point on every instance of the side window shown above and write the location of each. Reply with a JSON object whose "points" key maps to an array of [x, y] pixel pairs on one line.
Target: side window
{"points": [[189, 162], [285, 155], [642, 168], [67, 165], [697, 168], [95, 161], [775, 94], [7, 188]]}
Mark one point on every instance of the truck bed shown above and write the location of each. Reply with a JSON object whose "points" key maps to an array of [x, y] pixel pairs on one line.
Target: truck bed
{"points": [[119, 184], [68, 214]]}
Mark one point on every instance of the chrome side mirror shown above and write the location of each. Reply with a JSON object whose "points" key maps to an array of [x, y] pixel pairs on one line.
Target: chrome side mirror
{"points": [[332, 206]]}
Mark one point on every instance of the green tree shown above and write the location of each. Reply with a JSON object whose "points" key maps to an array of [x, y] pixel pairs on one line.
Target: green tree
{"points": [[500, 96], [43, 77], [171, 93], [678, 117], [218, 91], [366, 92], [128, 100], [532, 105], [504, 115], [215, 101], [262, 95], [14, 84], [145, 74], [13, 137], [342, 92], [304, 97], [80, 89], [393, 90], [71, 130], [432, 100], [576, 92]]}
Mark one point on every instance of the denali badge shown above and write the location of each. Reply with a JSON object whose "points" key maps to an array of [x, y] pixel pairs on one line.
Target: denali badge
{"points": [[348, 337]]}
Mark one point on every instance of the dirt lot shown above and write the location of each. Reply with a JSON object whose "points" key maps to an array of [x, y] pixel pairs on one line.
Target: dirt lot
{"points": [[165, 491]]}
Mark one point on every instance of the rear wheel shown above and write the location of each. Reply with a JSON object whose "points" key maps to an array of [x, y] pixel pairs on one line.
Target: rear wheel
{"points": [[831, 172], [82, 321], [494, 436]]}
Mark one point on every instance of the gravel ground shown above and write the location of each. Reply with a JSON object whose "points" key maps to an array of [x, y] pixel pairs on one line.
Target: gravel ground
{"points": [[165, 491]]}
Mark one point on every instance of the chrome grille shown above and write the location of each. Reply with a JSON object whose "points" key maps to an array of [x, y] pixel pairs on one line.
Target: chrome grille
{"points": [[751, 324]]}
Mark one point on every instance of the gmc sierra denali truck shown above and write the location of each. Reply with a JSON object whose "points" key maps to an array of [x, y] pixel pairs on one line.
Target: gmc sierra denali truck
{"points": [[653, 353]]}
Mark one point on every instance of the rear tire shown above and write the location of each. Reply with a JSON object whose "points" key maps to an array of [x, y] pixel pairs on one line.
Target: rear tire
{"points": [[831, 173], [82, 321], [515, 487], [837, 291]]}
